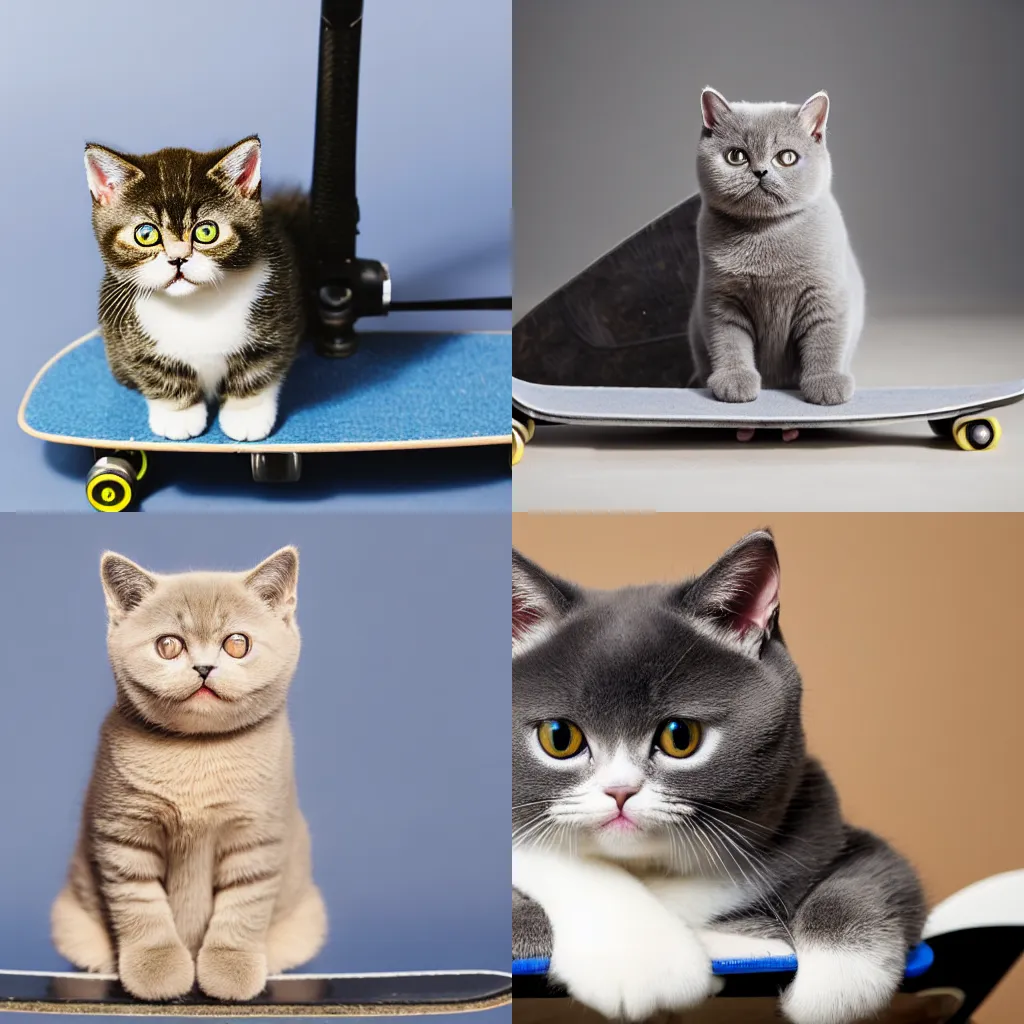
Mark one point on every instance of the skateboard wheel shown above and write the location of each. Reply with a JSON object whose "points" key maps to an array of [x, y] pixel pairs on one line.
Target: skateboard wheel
{"points": [[531, 428], [977, 433], [110, 485], [276, 467], [518, 444]]}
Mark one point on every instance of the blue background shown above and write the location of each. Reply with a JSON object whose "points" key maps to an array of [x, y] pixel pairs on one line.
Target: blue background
{"points": [[434, 189], [400, 709]]}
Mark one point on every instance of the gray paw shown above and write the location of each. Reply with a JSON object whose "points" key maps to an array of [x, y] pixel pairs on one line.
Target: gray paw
{"points": [[736, 385], [832, 388], [531, 932]]}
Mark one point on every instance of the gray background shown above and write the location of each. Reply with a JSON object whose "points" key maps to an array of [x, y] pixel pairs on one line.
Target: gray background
{"points": [[434, 188], [399, 707], [924, 130]]}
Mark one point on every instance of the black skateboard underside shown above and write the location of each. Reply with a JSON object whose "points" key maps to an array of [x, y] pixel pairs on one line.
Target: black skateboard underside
{"points": [[285, 995]]}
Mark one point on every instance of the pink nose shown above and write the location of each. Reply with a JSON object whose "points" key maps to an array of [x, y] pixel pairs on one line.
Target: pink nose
{"points": [[620, 794]]}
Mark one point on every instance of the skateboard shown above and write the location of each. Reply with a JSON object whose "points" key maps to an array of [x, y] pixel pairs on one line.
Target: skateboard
{"points": [[398, 391], [959, 413], [286, 995]]}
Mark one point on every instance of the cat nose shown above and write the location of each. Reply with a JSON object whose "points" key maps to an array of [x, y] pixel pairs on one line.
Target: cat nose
{"points": [[178, 262], [620, 794], [760, 174], [203, 670]]}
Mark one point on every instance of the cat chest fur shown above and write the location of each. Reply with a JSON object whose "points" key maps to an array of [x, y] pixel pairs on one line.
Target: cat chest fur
{"points": [[203, 329]]}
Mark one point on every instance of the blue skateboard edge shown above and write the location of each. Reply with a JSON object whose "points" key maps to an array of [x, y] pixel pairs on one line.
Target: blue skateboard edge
{"points": [[919, 959], [401, 390]]}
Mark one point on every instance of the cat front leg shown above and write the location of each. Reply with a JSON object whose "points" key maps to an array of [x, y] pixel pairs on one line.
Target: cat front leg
{"points": [[614, 946], [152, 961], [248, 409], [729, 340], [531, 930], [852, 934], [232, 962], [824, 346]]}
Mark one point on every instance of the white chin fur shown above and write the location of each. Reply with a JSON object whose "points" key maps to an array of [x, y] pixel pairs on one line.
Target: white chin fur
{"points": [[167, 420], [839, 986], [181, 287]]}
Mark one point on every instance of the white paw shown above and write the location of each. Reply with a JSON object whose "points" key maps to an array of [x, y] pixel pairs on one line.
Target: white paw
{"points": [[837, 987], [249, 419], [167, 420], [632, 968], [729, 946]]}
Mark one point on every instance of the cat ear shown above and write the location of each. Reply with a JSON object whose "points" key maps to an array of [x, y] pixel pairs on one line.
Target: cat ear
{"points": [[107, 173], [125, 584], [538, 602], [276, 578], [713, 106], [240, 167], [740, 592], [814, 114]]}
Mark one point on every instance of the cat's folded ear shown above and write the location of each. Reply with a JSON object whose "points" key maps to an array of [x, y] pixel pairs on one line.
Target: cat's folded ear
{"points": [[538, 602], [239, 168], [125, 584], [713, 107], [739, 594], [108, 173], [276, 579], [813, 115]]}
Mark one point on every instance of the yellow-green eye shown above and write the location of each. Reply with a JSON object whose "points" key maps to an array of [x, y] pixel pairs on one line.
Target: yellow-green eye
{"points": [[147, 234], [560, 738], [679, 737], [786, 158], [206, 231], [736, 157]]}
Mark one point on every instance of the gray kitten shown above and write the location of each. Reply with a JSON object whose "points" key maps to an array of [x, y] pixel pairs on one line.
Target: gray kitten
{"points": [[665, 811], [193, 861], [203, 295], [780, 298]]}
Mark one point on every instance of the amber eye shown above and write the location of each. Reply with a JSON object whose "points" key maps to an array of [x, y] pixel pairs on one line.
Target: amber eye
{"points": [[237, 645], [169, 647], [736, 157], [786, 158], [679, 737], [560, 738]]}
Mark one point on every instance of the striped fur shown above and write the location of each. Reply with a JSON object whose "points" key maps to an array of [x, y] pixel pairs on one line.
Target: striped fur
{"points": [[193, 860], [246, 288]]}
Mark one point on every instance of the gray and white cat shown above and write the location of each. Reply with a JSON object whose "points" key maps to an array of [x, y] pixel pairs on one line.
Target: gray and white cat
{"points": [[780, 298], [664, 808], [203, 296], [193, 859]]}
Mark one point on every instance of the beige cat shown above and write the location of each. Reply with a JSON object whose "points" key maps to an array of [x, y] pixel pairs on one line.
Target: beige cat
{"points": [[193, 860]]}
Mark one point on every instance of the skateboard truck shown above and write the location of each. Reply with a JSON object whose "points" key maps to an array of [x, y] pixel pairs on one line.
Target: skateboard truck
{"points": [[348, 287]]}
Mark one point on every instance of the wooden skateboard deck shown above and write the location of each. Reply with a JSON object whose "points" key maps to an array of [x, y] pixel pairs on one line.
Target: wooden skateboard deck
{"points": [[286, 995]]}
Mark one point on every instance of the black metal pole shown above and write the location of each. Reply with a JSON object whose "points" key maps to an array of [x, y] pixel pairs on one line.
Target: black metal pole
{"points": [[335, 208]]}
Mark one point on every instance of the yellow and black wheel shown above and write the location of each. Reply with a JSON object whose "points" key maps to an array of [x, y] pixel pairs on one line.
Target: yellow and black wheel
{"points": [[531, 428], [977, 433], [518, 442], [111, 484]]}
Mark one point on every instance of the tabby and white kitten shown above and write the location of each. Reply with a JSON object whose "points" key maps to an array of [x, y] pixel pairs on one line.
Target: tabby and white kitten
{"points": [[780, 298], [665, 811], [193, 860], [202, 296]]}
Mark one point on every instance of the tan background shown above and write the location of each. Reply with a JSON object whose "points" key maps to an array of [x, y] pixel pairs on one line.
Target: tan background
{"points": [[907, 629]]}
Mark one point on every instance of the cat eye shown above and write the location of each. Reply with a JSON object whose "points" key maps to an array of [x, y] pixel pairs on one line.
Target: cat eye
{"points": [[169, 647], [237, 645], [559, 738], [147, 235], [736, 157], [786, 158], [679, 737], [206, 231]]}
